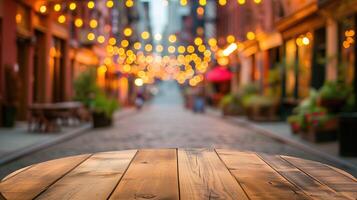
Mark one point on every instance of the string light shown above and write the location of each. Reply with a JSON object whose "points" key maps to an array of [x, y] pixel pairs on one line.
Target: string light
{"points": [[61, 19], [222, 2], [172, 38], [72, 6], [90, 4], [158, 36], [241, 2], [91, 36], [129, 3], [145, 35], [250, 35], [78, 22], [128, 32], [110, 3], [93, 23], [43, 9], [57, 7]]}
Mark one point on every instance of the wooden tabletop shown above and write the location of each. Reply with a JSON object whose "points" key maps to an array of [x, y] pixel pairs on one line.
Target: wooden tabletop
{"points": [[179, 174]]}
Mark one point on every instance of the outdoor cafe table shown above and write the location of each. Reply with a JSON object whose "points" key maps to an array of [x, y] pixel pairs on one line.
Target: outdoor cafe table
{"points": [[179, 174]]}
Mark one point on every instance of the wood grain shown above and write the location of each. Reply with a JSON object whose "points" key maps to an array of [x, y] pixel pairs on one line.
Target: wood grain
{"points": [[94, 179], [258, 179], [151, 175], [202, 175], [326, 175], [28, 184], [308, 185]]}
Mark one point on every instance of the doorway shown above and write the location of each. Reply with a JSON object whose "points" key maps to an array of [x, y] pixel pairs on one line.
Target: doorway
{"points": [[57, 69]]}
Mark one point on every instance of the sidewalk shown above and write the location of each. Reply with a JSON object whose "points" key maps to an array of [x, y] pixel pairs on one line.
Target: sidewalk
{"points": [[16, 142], [281, 131]]}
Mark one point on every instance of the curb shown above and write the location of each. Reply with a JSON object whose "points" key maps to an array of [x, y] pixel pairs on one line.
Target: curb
{"points": [[52, 141], [302, 146], [44, 144]]}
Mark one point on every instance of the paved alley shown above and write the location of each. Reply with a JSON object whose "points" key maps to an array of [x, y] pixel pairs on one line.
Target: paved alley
{"points": [[162, 123]]}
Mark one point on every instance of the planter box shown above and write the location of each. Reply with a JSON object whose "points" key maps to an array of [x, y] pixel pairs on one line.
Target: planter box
{"points": [[348, 134], [262, 113], [322, 134], [319, 135], [295, 128], [101, 120]]}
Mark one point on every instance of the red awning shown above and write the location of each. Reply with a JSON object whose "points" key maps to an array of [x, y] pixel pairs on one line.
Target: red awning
{"points": [[219, 74]]}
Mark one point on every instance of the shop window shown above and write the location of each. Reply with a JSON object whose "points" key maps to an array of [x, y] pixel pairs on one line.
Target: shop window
{"points": [[290, 68], [347, 37]]}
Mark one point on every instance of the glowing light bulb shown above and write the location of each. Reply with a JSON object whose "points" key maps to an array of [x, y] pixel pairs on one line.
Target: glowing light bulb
{"points": [[90, 4], [78, 22], [72, 6], [43, 9]]}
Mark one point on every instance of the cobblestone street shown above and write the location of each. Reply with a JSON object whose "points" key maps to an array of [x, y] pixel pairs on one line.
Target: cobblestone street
{"points": [[163, 123]]}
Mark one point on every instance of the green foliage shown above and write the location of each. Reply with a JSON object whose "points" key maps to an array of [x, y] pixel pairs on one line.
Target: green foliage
{"points": [[309, 104], [250, 89], [258, 100], [103, 104], [92, 96], [229, 99], [85, 87], [335, 90]]}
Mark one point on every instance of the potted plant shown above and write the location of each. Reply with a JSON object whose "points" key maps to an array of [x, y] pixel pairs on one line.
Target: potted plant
{"points": [[10, 102], [333, 95], [261, 108], [103, 108], [231, 105], [296, 123], [321, 127]]}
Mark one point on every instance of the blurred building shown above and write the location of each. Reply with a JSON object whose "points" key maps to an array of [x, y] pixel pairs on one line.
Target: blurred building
{"points": [[45, 45], [305, 41]]}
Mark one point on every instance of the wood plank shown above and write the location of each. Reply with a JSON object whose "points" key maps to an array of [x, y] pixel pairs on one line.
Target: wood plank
{"points": [[151, 175], [33, 181], [257, 178], [202, 175], [95, 178], [323, 173], [16, 172], [306, 183]]}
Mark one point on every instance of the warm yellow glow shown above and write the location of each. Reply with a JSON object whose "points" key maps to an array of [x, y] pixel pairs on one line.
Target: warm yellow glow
{"points": [[110, 3], [101, 39], [172, 38], [102, 69], [241, 2], [222, 2], [61, 19], [159, 48], [43, 8], [93, 23], [350, 33], [124, 43], [200, 11], [129, 3], [212, 42], [72, 6], [202, 2], [139, 82], [230, 49], [126, 68], [128, 32], [91, 36], [137, 45], [78, 22], [250, 35], [145, 35], [158, 36], [305, 40], [181, 49], [112, 41], [202, 48], [18, 18], [230, 39], [90, 4], [198, 41], [148, 47], [57, 7], [183, 2], [257, 1], [190, 49], [171, 49]]}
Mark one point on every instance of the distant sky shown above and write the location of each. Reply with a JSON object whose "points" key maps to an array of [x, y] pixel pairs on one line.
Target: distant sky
{"points": [[158, 15]]}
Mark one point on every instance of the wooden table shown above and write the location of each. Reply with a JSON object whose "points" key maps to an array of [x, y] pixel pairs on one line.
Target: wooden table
{"points": [[179, 174]]}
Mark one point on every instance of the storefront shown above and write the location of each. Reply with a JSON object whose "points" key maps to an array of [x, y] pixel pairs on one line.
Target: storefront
{"points": [[304, 57]]}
